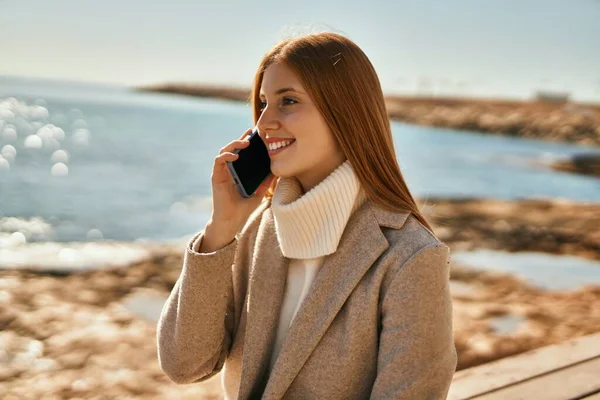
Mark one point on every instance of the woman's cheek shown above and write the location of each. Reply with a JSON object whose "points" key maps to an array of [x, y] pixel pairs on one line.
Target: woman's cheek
{"points": [[291, 118]]}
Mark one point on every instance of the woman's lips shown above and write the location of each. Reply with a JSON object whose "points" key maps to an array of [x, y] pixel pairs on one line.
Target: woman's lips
{"points": [[279, 150]]}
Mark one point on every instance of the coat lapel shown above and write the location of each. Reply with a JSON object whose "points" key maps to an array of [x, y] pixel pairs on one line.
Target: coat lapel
{"points": [[265, 296], [361, 244]]}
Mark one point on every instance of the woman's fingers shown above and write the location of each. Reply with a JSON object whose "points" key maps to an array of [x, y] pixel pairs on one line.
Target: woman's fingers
{"points": [[226, 154], [249, 131], [225, 157], [241, 143], [236, 144]]}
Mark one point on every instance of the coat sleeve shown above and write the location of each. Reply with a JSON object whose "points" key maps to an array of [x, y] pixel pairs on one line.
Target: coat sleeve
{"points": [[195, 328], [417, 357]]}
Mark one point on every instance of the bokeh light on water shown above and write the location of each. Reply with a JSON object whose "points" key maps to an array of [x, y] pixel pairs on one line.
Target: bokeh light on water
{"points": [[9, 152], [4, 164], [102, 164], [60, 156], [28, 131], [59, 169], [31, 138]]}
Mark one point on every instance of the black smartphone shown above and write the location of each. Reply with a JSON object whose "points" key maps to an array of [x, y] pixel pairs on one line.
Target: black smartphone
{"points": [[252, 167]]}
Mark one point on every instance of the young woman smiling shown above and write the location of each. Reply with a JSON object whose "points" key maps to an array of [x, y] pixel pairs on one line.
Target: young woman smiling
{"points": [[328, 283]]}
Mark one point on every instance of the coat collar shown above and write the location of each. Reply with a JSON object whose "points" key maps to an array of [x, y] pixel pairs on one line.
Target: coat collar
{"points": [[336, 279]]}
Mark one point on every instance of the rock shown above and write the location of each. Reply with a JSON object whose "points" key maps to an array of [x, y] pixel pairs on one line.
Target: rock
{"points": [[585, 164]]}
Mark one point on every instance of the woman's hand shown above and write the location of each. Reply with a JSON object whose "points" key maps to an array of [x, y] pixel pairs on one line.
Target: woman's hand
{"points": [[230, 209]]}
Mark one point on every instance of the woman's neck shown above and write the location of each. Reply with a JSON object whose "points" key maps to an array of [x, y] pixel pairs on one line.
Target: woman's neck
{"points": [[313, 177]]}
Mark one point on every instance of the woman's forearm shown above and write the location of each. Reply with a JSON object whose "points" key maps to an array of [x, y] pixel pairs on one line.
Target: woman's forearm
{"points": [[193, 331]]}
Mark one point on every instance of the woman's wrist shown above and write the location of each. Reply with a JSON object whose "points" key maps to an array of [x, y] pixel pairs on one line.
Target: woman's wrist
{"points": [[216, 236]]}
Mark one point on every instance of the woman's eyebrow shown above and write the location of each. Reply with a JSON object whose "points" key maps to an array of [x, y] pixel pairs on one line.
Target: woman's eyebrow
{"points": [[284, 90]]}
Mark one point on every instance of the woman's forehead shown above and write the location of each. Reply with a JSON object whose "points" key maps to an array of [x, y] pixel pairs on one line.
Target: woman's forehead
{"points": [[278, 77]]}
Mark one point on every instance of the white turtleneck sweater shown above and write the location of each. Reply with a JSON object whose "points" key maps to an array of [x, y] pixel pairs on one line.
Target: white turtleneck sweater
{"points": [[309, 227]]}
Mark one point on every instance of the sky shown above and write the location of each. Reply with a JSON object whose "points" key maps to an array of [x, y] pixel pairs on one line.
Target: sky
{"points": [[486, 48]]}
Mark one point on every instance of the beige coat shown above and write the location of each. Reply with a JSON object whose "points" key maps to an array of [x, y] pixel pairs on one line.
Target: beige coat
{"points": [[377, 322]]}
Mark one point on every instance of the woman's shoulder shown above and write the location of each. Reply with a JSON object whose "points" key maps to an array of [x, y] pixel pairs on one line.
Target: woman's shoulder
{"points": [[414, 234], [415, 256], [405, 234], [403, 227]]}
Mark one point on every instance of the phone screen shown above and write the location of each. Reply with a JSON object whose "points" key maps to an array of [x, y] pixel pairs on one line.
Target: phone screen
{"points": [[252, 166]]}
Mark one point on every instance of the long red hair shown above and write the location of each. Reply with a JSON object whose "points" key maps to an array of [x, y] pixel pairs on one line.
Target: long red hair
{"points": [[344, 86]]}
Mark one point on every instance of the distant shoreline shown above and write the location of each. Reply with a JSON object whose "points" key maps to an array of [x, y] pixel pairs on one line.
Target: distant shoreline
{"points": [[553, 121]]}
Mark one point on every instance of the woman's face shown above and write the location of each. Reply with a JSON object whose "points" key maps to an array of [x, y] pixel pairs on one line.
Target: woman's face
{"points": [[299, 141]]}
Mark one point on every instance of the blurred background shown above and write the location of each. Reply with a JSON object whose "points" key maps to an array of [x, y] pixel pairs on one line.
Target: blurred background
{"points": [[111, 114]]}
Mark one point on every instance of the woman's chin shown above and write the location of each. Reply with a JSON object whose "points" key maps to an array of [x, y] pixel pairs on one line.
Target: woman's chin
{"points": [[282, 171]]}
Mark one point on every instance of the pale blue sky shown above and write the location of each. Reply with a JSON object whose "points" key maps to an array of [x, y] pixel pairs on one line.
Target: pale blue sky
{"points": [[473, 47]]}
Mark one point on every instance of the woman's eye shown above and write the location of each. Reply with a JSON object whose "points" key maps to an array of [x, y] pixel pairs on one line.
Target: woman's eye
{"points": [[288, 101]]}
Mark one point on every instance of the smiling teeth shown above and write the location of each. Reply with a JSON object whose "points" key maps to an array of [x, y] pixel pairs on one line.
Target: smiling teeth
{"points": [[278, 145]]}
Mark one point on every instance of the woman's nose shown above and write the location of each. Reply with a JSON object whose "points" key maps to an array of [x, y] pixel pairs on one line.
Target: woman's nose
{"points": [[267, 122]]}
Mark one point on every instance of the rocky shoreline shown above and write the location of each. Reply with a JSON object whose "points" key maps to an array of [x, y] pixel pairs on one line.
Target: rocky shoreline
{"points": [[554, 121], [91, 334], [560, 227]]}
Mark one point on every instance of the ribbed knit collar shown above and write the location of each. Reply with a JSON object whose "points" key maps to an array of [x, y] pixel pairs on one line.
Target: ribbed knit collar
{"points": [[310, 225]]}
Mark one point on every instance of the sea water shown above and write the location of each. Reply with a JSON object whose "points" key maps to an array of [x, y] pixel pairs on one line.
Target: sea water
{"points": [[89, 163]]}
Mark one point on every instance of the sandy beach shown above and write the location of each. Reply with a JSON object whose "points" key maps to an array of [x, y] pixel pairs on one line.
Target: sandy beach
{"points": [[92, 334]]}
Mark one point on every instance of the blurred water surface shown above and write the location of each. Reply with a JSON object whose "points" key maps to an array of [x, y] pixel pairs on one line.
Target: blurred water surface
{"points": [[83, 162]]}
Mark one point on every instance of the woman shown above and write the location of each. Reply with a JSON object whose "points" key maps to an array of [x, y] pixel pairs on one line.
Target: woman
{"points": [[328, 283]]}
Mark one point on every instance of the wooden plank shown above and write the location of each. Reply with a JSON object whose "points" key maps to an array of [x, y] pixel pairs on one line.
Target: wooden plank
{"points": [[572, 382], [506, 371]]}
